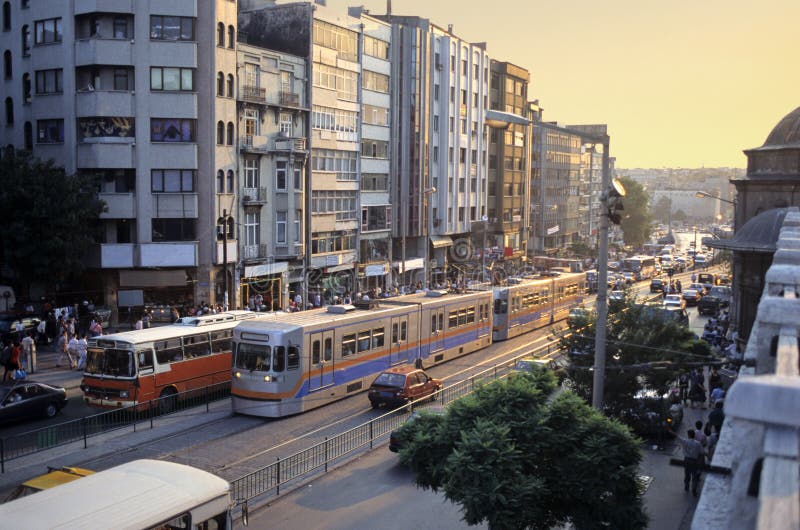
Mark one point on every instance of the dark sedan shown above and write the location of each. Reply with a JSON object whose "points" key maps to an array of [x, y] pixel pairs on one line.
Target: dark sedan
{"points": [[692, 296], [653, 417], [29, 400]]}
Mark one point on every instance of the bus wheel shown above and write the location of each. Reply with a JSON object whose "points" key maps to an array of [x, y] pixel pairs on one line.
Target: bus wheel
{"points": [[168, 402]]}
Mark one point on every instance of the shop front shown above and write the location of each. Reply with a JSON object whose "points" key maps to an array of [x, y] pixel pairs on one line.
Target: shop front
{"points": [[158, 290], [263, 287]]}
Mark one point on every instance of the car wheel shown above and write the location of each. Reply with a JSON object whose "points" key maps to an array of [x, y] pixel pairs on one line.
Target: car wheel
{"points": [[375, 404], [51, 410]]}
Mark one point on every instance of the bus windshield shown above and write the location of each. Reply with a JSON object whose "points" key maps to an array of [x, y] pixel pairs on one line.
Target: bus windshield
{"points": [[631, 265], [112, 361]]}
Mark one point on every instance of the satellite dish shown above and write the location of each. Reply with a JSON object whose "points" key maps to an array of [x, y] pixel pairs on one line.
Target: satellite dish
{"points": [[617, 188]]}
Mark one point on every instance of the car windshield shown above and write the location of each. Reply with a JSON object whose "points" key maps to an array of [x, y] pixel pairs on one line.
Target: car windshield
{"points": [[111, 361], [386, 379]]}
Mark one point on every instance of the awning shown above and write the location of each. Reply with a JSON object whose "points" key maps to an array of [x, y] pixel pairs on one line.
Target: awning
{"points": [[410, 264], [266, 269], [441, 241]]}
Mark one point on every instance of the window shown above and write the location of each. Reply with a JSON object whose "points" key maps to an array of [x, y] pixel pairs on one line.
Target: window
{"points": [[376, 82], [48, 31], [344, 41], [220, 181], [374, 182], [375, 115], [252, 230], [49, 131], [251, 173], [333, 119], [462, 155], [376, 48], [280, 175], [173, 230], [285, 123], [106, 127], [28, 136], [436, 93], [9, 111], [343, 163], [343, 81], [229, 86], [120, 28], [452, 94], [178, 79], [173, 130], [339, 202], [171, 28], [325, 242], [26, 40], [348, 344], [280, 227], [374, 149], [464, 67], [298, 226], [7, 64], [122, 79], [172, 180], [363, 341], [230, 180], [377, 338], [376, 218], [435, 153], [251, 121], [230, 133], [220, 132], [49, 81], [298, 175], [220, 84], [220, 34], [6, 16], [231, 36]]}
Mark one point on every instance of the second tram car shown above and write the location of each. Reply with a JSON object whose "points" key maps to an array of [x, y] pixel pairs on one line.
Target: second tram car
{"points": [[300, 361], [534, 303]]}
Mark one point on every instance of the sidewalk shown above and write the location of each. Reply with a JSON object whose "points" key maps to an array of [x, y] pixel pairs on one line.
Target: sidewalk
{"points": [[48, 372]]}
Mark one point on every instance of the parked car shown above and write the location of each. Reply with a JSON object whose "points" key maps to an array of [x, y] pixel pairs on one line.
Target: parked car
{"points": [[628, 277], [652, 416], [709, 305], [8, 329], [578, 316], [706, 278], [691, 296], [400, 385], [674, 300], [723, 292], [29, 399], [396, 437], [656, 285], [699, 261], [558, 365]]}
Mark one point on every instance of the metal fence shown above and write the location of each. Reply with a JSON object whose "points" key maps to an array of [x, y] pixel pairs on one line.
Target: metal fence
{"points": [[304, 465], [83, 429]]}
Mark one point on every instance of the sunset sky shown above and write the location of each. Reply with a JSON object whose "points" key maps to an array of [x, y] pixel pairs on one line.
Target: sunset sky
{"points": [[682, 83]]}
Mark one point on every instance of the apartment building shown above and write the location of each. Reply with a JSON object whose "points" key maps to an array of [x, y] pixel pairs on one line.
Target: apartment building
{"points": [[591, 177], [440, 91], [272, 122], [115, 88]]}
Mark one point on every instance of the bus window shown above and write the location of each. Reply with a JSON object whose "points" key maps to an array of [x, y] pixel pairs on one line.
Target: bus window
{"points": [[218, 522], [293, 360], [315, 351], [348, 344], [196, 346], [377, 338], [145, 361], [221, 340], [328, 353], [363, 341], [500, 307], [252, 357], [178, 523], [278, 358], [168, 351]]}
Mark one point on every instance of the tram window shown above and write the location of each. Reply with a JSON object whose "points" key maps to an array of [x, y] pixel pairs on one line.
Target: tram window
{"points": [[252, 357], [403, 330], [196, 346], [278, 358], [363, 341], [441, 322], [293, 360], [394, 333], [315, 352], [462, 317], [433, 323], [377, 338], [328, 350], [452, 320], [348, 344], [500, 307], [168, 351], [145, 360], [221, 341], [470, 315]]}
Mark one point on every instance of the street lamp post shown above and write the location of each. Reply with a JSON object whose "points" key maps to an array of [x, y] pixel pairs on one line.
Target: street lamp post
{"points": [[485, 220], [427, 192], [223, 222]]}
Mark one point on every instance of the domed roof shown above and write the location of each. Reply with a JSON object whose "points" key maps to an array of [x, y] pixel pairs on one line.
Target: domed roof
{"points": [[787, 132], [758, 234]]}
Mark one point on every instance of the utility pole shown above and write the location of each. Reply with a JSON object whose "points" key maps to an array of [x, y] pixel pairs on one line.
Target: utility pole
{"points": [[602, 284]]}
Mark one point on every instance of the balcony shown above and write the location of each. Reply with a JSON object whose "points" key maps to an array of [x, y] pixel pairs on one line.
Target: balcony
{"points": [[168, 254], [112, 52], [175, 205], [106, 155], [254, 252], [103, 6], [254, 94], [254, 144], [118, 205], [287, 251], [290, 144], [289, 99], [104, 103], [232, 250], [254, 196]]}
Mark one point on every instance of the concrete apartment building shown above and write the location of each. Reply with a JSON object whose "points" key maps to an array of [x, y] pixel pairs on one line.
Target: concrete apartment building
{"points": [[440, 90], [591, 177], [115, 88], [272, 124]]}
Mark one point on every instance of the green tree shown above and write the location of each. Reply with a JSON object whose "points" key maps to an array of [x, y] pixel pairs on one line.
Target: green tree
{"points": [[513, 458], [660, 209], [636, 221], [50, 219], [645, 350]]}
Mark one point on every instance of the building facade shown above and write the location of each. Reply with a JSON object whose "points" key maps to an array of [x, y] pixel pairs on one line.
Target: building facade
{"points": [[117, 91]]}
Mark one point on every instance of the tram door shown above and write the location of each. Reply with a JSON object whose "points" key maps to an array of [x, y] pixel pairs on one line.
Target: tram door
{"points": [[321, 367], [399, 340], [436, 320]]}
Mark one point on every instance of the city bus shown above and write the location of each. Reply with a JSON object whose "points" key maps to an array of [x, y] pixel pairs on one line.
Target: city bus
{"points": [[550, 263], [642, 267], [152, 366], [140, 494]]}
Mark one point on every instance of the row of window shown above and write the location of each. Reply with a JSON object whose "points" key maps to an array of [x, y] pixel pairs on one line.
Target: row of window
{"points": [[343, 163], [265, 358], [161, 129], [343, 81], [50, 81], [182, 348], [221, 133], [342, 203], [325, 242], [331, 119]]}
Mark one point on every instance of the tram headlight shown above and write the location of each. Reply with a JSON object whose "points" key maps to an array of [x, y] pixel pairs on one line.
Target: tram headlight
{"points": [[268, 378]]}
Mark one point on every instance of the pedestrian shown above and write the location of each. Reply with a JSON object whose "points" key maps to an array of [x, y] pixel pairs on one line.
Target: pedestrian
{"points": [[699, 435], [694, 277], [146, 318], [713, 438], [12, 364], [716, 395], [5, 356], [63, 349], [139, 324], [72, 347], [717, 416], [693, 459], [28, 351], [678, 286], [81, 347], [683, 384], [714, 379], [174, 315], [19, 329], [95, 329], [41, 332]]}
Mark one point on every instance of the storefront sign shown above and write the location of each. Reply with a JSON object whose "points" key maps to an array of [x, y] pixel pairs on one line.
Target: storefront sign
{"points": [[266, 269], [376, 270], [553, 229]]}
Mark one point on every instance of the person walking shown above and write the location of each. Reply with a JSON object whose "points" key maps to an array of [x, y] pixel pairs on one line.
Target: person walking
{"points": [[80, 348], [683, 385], [63, 349], [694, 277], [29, 352], [12, 365], [693, 459], [717, 417]]}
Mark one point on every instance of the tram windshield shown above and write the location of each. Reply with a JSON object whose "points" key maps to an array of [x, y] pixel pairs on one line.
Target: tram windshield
{"points": [[253, 357]]}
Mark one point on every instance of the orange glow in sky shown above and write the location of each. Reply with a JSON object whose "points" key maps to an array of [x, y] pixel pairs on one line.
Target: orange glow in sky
{"points": [[681, 83]]}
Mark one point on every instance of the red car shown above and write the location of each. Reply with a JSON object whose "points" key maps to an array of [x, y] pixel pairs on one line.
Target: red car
{"points": [[400, 385]]}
